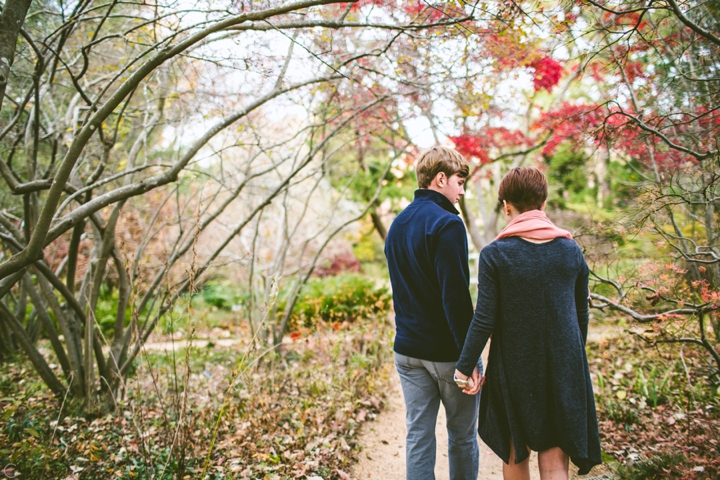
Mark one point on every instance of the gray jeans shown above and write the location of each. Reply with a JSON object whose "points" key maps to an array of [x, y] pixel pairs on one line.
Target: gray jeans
{"points": [[425, 384]]}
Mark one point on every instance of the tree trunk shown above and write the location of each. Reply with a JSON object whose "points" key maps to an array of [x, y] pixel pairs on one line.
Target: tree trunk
{"points": [[35, 357], [13, 16], [46, 322], [475, 235], [379, 226], [6, 339]]}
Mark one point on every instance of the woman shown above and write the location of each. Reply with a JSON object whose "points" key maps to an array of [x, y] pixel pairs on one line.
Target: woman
{"points": [[533, 299]]}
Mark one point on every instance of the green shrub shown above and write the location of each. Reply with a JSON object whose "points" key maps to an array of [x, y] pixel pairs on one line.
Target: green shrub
{"points": [[106, 310], [336, 299], [218, 295], [209, 308]]}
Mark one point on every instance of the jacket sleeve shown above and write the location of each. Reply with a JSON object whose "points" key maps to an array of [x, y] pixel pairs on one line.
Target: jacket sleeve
{"points": [[483, 321], [582, 294], [453, 274]]}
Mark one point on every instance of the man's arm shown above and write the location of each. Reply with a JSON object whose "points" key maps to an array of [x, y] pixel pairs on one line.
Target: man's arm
{"points": [[453, 273]]}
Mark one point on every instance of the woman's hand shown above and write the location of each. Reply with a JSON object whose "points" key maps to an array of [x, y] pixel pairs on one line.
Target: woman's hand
{"points": [[475, 381]]}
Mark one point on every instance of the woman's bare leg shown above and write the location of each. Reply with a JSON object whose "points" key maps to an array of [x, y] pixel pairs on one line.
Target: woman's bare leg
{"points": [[553, 464], [516, 471]]}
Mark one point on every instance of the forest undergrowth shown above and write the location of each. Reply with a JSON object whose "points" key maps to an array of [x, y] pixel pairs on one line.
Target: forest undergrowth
{"points": [[291, 417], [659, 415], [298, 416]]}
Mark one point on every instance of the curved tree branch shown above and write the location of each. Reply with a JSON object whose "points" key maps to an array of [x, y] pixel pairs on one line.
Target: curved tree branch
{"points": [[39, 238]]}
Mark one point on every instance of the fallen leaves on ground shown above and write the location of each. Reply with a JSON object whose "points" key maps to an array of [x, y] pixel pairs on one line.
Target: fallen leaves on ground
{"points": [[659, 413], [243, 415]]}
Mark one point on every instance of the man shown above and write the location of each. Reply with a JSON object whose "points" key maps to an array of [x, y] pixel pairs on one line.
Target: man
{"points": [[427, 254]]}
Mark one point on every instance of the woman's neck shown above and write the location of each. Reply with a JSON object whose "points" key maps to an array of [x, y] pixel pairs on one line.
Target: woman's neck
{"points": [[532, 240], [511, 213]]}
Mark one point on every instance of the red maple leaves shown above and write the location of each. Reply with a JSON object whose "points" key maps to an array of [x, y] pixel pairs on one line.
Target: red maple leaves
{"points": [[361, 3], [574, 123], [547, 73], [580, 125], [583, 126], [477, 145], [470, 146]]}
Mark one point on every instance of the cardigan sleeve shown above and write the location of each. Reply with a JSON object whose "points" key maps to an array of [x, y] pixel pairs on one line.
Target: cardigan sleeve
{"points": [[453, 274], [483, 321], [582, 295]]}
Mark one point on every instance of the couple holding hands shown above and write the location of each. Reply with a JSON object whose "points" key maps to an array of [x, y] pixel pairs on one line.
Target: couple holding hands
{"points": [[532, 300]]}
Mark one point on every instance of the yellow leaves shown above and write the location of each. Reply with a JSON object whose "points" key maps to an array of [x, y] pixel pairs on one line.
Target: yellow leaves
{"points": [[475, 105]]}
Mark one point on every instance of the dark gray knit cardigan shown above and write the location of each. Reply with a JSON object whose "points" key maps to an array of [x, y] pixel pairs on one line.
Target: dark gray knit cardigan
{"points": [[533, 299]]}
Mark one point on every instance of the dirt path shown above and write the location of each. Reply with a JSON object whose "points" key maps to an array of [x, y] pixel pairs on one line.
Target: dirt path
{"points": [[383, 440], [197, 343]]}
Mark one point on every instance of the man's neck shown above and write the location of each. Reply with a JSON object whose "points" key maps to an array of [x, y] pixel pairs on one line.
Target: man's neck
{"points": [[435, 188]]}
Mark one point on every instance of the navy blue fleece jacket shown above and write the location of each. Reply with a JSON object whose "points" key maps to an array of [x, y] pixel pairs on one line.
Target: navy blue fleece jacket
{"points": [[427, 254]]}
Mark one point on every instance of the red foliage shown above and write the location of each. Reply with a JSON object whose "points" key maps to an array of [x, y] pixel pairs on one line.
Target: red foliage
{"points": [[343, 262], [570, 122], [634, 70], [361, 3], [547, 73], [597, 70], [507, 50], [476, 145], [578, 124], [708, 122], [369, 122], [55, 253], [414, 8], [432, 13], [470, 146], [631, 20]]}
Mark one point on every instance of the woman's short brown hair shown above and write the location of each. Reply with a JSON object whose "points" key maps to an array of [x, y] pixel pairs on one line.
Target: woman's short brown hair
{"points": [[440, 159], [526, 188]]}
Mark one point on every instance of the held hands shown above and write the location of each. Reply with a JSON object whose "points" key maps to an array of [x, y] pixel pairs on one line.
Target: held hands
{"points": [[475, 381]]}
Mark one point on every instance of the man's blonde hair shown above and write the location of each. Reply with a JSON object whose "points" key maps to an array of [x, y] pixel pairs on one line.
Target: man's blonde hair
{"points": [[440, 159]]}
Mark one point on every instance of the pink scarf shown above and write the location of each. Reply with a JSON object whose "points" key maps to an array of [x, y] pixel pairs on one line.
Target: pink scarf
{"points": [[535, 225]]}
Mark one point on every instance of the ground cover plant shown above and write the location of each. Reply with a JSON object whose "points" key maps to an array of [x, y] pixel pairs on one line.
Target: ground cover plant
{"points": [[339, 298], [659, 415], [243, 415]]}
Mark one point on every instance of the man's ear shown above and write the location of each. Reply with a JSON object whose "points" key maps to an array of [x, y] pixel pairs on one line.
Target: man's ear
{"points": [[543, 206], [440, 179]]}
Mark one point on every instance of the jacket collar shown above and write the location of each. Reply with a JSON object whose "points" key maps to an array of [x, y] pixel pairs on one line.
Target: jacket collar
{"points": [[427, 195]]}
